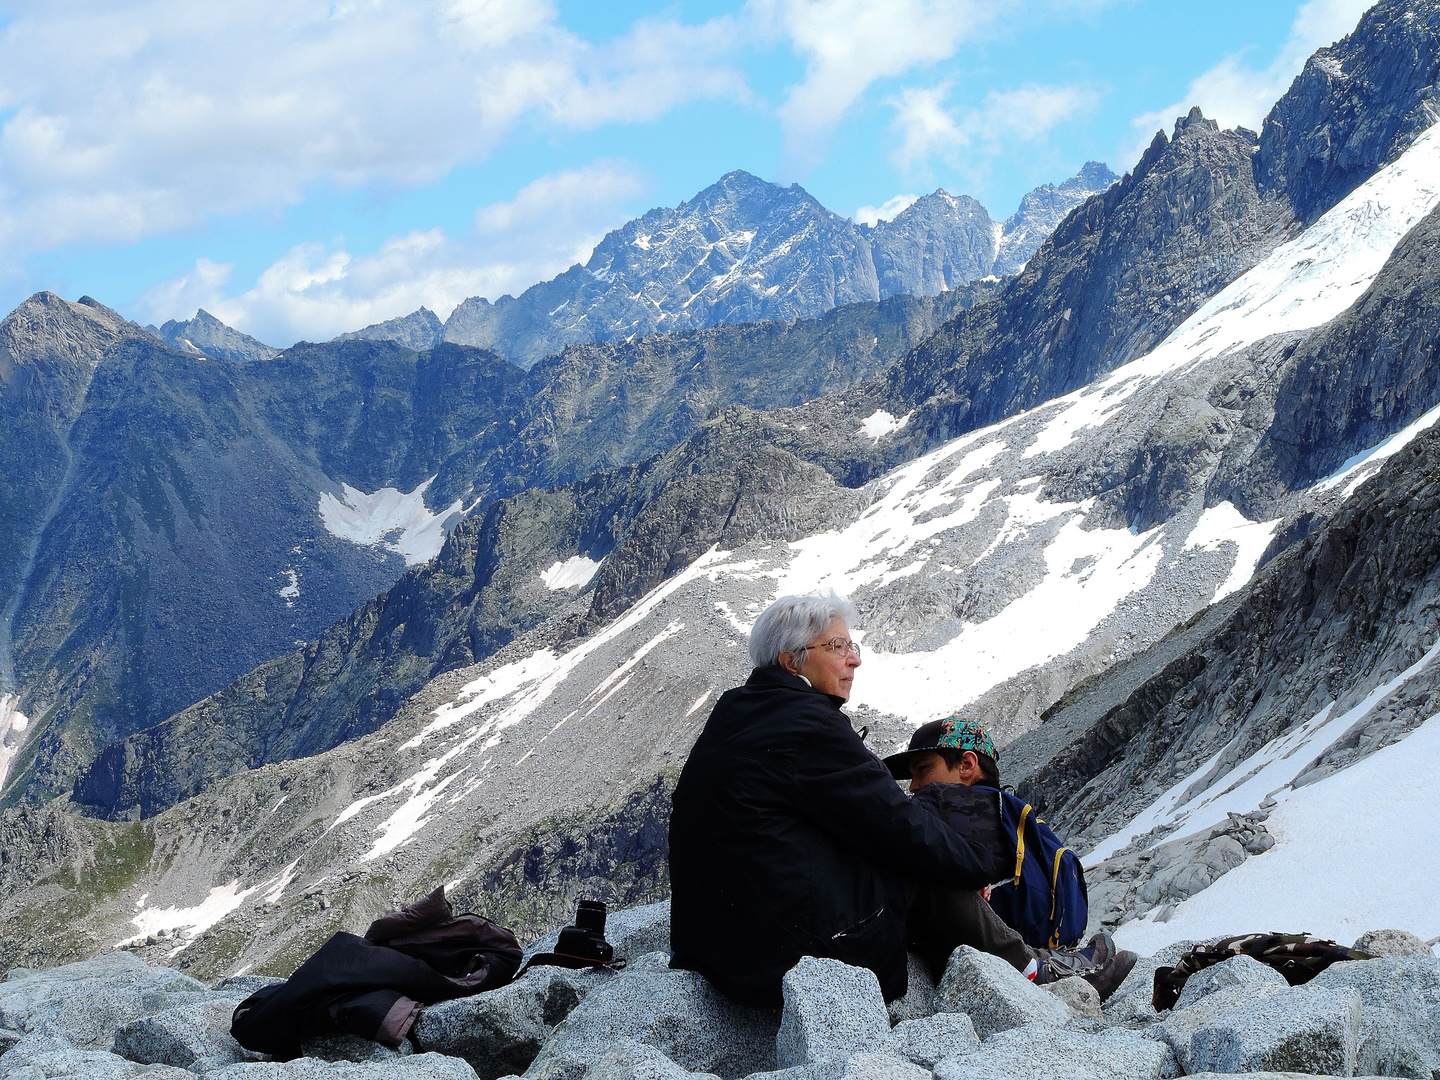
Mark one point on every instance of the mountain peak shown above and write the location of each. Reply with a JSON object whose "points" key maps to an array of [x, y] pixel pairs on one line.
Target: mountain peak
{"points": [[205, 335]]}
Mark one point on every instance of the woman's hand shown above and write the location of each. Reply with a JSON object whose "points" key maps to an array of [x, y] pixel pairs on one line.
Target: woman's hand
{"points": [[985, 894]]}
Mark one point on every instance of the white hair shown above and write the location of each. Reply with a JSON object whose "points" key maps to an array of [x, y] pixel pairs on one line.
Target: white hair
{"points": [[792, 622]]}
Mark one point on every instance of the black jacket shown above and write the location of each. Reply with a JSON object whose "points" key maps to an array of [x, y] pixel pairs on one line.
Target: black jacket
{"points": [[788, 838]]}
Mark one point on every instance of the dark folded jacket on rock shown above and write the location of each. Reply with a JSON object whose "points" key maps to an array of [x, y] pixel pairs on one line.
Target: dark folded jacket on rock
{"points": [[375, 986]]}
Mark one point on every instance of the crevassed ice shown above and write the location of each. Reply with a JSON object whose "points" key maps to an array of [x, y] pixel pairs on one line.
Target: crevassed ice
{"points": [[391, 519]]}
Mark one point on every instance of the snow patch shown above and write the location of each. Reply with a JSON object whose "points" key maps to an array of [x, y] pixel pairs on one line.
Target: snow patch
{"points": [[881, 423], [573, 572], [190, 922], [12, 730], [1384, 876], [291, 591], [389, 519], [1223, 524], [1267, 772]]}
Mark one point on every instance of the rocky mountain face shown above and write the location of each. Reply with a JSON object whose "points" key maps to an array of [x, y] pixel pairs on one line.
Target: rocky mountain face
{"points": [[744, 250], [205, 335], [216, 514], [1040, 211]]}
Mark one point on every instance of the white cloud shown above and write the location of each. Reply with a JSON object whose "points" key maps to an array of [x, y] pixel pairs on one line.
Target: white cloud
{"points": [[1234, 94], [315, 292], [889, 210], [966, 138], [133, 119], [848, 45]]}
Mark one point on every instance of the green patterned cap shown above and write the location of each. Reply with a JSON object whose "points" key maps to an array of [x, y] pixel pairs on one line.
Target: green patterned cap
{"points": [[952, 733]]}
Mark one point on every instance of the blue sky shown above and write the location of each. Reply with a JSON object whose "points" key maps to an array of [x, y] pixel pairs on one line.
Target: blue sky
{"points": [[301, 169]]}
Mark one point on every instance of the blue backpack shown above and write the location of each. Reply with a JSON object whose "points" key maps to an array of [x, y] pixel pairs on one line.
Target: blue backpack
{"points": [[1046, 901]]}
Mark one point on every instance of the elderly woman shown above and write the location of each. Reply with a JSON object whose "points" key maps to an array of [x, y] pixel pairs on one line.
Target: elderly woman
{"points": [[788, 838]]}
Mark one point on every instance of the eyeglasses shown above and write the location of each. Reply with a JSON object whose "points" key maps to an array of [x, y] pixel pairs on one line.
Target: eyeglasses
{"points": [[837, 644]]}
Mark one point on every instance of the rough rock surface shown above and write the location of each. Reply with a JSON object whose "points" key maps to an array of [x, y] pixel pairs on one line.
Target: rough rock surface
{"points": [[415, 1067], [1391, 1046], [185, 1036], [353, 1048], [1299, 1029], [1391, 943], [88, 1002], [994, 995], [632, 1060], [501, 1031], [39, 1057], [919, 999], [1080, 995], [1179, 1025], [926, 1041], [1130, 1003], [676, 1012], [830, 1009], [1407, 985], [1042, 1051], [1237, 971]]}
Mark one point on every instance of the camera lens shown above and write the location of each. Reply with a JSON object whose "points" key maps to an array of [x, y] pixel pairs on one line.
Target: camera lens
{"points": [[590, 914]]}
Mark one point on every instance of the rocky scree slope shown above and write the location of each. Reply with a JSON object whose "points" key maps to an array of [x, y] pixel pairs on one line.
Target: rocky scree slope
{"points": [[150, 564], [487, 773], [744, 250]]}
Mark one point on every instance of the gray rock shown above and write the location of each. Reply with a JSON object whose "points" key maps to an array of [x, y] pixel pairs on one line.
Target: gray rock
{"points": [[502, 1031], [416, 1067], [927, 1040], [86, 1003], [8, 1039], [632, 932], [676, 1012], [37, 1057], [831, 1009], [1082, 998], [1298, 1029], [632, 1060], [1390, 1046], [994, 995], [245, 985], [1039, 1050], [183, 1035], [1180, 1025], [919, 1000], [353, 1048], [1391, 943], [653, 961], [1131, 1000], [877, 1065], [1237, 971], [1409, 985]]}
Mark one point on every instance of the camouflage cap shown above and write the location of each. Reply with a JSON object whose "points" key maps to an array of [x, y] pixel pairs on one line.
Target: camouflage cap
{"points": [[951, 733]]}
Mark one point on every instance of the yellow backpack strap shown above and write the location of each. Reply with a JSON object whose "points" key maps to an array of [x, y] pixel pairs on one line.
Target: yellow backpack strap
{"points": [[1055, 896], [1020, 844]]}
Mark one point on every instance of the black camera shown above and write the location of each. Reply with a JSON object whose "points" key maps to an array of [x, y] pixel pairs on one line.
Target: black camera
{"points": [[585, 940]]}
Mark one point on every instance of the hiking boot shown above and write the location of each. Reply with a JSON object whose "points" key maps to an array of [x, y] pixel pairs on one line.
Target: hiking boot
{"points": [[1055, 964], [1108, 977]]}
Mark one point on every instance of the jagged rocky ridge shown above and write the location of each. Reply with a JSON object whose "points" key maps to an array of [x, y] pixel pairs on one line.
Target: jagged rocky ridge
{"points": [[186, 519], [744, 250]]}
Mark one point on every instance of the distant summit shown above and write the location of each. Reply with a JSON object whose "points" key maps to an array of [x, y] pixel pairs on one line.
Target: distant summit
{"points": [[205, 335], [745, 250]]}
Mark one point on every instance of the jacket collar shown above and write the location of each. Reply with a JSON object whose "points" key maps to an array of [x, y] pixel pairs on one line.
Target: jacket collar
{"points": [[775, 675]]}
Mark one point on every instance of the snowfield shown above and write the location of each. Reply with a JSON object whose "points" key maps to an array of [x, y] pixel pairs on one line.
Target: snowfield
{"points": [[389, 519]]}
